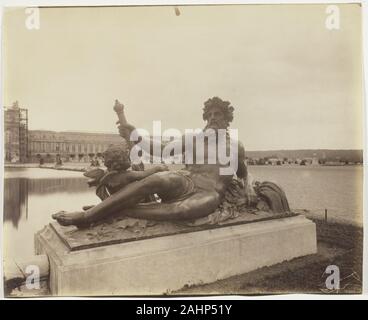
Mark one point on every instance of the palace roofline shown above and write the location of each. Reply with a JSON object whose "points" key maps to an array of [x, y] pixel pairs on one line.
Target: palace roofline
{"points": [[75, 131]]}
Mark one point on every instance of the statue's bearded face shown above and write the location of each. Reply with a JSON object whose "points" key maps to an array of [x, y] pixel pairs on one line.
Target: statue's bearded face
{"points": [[216, 119]]}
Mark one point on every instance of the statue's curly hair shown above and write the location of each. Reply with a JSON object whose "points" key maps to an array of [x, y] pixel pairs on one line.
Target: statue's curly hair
{"points": [[225, 107], [116, 156]]}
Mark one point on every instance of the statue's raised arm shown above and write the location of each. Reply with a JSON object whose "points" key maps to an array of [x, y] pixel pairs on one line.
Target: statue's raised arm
{"points": [[126, 129]]}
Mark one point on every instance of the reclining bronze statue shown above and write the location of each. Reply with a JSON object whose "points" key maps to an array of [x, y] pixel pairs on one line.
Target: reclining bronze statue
{"points": [[190, 193]]}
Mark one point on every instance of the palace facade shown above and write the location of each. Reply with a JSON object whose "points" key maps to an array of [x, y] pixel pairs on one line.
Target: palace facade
{"points": [[68, 146], [23, 145]]}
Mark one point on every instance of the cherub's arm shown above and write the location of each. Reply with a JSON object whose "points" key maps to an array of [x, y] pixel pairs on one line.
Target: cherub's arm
{"points": [[132, 176], [126, 177]]}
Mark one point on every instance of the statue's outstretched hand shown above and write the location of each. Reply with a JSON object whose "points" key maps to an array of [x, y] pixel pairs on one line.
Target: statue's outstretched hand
{"points": [[118, 107]]}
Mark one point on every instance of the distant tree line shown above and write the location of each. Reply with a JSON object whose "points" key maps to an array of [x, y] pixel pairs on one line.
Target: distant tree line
{"points": [[281, 161]]}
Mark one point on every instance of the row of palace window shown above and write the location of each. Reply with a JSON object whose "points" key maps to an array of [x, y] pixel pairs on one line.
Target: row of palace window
{"points": [[67, 147]]}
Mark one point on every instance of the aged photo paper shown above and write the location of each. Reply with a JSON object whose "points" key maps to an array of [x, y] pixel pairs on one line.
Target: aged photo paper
{"points": [[183, 150]]}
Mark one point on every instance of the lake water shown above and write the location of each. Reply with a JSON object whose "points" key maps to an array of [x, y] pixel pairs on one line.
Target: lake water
{"points": [[31, 195], [337, 189]]}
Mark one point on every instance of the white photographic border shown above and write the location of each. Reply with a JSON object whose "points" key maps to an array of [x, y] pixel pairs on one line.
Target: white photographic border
{"points": [[33, 3]]}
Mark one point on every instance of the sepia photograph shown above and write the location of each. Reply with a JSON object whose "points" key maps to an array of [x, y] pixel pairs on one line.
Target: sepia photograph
{"points": [[182, 150]]}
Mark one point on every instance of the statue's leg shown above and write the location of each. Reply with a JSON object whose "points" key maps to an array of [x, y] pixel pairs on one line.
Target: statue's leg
{"points": [[195, 206], [129, 196]]}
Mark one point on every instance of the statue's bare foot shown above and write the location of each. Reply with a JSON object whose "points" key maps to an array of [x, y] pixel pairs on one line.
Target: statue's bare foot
{"points": [[76, 218]]}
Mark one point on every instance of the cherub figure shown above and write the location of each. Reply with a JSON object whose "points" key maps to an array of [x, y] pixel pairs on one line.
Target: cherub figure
{"points": [[117, 175]]}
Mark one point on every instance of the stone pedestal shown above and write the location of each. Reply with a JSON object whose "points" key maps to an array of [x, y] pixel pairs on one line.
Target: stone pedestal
{"points": [[161, 264]]}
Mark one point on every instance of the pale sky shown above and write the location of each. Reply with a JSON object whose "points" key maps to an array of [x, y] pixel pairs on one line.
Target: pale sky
{"points": [[293, 83]]}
